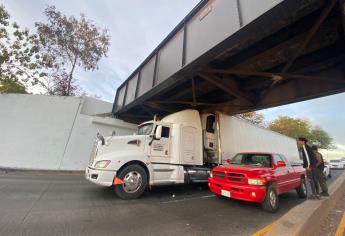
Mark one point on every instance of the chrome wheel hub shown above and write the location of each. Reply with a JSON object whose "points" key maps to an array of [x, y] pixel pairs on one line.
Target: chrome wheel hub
{"points": [[132, 182], [273, 199], [304, 188]]}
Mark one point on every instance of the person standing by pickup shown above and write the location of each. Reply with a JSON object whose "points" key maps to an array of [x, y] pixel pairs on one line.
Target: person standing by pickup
{"points": [[319, 170], [309, 163]]}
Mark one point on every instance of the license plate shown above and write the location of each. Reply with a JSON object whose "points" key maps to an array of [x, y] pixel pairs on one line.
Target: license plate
{"points": [[225, 193]]}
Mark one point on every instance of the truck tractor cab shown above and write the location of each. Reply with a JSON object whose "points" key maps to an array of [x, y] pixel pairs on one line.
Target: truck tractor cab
{"points": [[180, 148]]}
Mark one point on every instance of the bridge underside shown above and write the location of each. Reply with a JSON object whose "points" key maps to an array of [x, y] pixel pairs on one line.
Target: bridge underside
{"points": [[293, 60]]}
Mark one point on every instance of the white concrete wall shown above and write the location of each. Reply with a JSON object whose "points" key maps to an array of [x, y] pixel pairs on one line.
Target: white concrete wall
{"points": [[52, 132]]}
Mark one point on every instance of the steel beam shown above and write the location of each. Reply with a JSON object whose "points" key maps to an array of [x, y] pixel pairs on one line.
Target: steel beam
{"points": [[228, 86], [310, 35], [274, 76], [125, 96], [193, 91], [147, 110], [155, 70], [159, 107], [184, 43], [342, 13], [184, 103], [137, 85]]}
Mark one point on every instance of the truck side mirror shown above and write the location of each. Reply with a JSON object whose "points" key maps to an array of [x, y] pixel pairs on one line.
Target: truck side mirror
{"points": [[281, 164], [158, 133]]}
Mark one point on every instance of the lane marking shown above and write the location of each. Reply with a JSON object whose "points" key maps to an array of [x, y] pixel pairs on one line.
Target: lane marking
{"points": [[187, 199], [341, 227], [264, 230]]}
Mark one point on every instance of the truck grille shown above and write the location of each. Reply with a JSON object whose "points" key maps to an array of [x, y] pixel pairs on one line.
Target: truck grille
{"points": [[218, 175], [236, 177], [93, 154], [229, 176]]}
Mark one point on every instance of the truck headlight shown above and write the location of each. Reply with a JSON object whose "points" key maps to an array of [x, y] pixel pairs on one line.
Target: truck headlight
{"points": [[211, 175], [256, 182], [102, 164]]}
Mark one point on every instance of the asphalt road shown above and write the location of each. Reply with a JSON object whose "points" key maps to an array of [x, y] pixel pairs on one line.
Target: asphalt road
{"points": [[49, 204]]}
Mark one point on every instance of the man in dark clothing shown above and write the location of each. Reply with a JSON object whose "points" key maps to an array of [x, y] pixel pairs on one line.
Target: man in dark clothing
{"points": [[320, 165], [309, 163]]}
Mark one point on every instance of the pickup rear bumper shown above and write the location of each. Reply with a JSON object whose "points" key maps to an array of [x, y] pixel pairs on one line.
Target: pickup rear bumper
{"points": [[248, 193]]}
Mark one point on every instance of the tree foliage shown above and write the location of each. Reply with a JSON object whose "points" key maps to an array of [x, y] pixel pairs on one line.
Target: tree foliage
{"points": [[10, 86], [296, 127], [59, 85], [253, 117], [68, 43], [321, 138], [20, 59]]}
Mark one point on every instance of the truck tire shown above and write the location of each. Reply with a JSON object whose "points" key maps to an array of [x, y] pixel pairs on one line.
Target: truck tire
{"points": [[271, 202], [302, 189], [135, 182]]}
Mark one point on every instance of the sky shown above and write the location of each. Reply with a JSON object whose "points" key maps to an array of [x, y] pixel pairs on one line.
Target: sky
{"points": [[136, 28]]}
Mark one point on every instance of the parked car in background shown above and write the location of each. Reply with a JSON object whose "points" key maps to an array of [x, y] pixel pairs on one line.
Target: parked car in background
{"points": [[343, 161], [337, 164], [327, 170], [258, 177]]}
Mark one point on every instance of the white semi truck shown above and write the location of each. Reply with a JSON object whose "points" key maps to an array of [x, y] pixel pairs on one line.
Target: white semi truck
{"points": [[181, 148]]}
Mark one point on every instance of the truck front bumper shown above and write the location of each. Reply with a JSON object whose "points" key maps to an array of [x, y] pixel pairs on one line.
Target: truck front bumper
{"points": [[250, 193], [100, 177]]}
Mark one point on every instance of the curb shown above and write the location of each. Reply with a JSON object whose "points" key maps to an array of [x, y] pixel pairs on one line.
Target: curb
{"points": [[40, 172], [305, 219]]}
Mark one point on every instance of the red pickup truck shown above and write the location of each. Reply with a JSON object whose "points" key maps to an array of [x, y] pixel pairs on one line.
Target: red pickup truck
{"points": [[258, 177]]}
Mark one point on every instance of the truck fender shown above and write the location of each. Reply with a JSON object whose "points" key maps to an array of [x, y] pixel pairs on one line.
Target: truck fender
{"points": [[146, 165], [273, 183], [121, 159]]}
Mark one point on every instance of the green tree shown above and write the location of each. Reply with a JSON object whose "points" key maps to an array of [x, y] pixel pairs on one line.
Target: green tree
{"points": [[10, 86], [69, 43], [253, 117], [321, 138], [296, 127], [20, 59]]}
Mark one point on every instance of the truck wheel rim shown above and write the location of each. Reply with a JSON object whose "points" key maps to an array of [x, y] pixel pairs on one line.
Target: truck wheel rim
{"points": [[304, 189], [132, 182], [273, 199]]}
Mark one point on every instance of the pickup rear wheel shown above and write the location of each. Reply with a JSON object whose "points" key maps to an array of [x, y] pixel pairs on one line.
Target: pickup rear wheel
{"points": [[271, 202], [302, 189], [134, 179]]}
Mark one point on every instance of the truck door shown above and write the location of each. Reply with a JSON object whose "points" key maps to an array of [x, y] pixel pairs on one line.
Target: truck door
{"points": [[160, 149], [282, 175], [293, 177], [188, 144]]}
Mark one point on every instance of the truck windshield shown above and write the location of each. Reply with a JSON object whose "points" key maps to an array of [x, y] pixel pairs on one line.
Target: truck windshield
{"points": [[260, 160], [145, 129]]}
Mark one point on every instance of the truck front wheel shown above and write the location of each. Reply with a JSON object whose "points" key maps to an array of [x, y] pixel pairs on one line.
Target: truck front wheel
{"points": [[271, 202], [134, 179]]}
